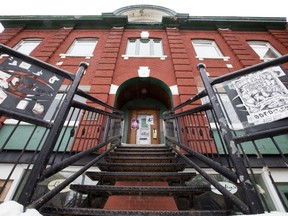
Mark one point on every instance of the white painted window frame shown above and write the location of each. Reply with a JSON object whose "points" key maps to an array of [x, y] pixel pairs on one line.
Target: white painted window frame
{"points": [[208, 43], [24, 42], [137, 49], [90, 41]]}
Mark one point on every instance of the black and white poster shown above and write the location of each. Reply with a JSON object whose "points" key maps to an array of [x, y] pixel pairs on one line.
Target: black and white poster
{"points": [[27, 88], [260, 98]]}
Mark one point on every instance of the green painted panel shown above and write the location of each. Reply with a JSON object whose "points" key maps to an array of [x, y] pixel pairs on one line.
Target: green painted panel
{"points": [[24, 136], [265, 146]]}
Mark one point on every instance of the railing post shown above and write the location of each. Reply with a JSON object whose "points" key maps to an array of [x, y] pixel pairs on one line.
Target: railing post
{"points": [[251, 196], [106, 130], [45, 153]]}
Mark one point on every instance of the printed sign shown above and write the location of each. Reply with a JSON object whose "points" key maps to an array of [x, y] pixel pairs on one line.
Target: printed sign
{"points": [[143, 134], [150, 120], [27, 88], [53, 184], [260, 98], [229, 186], [134, 124], [264, 97]]}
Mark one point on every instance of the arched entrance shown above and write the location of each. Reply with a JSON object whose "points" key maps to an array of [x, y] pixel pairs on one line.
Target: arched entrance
{"points": [[143, 101]]}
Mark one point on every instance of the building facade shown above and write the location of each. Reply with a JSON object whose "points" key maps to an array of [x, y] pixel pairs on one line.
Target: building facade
{"points": [[143, 61]]}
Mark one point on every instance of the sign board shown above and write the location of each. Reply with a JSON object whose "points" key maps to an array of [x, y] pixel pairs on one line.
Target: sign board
{"points": [[260, 98], [229, 186], [26, 88]]}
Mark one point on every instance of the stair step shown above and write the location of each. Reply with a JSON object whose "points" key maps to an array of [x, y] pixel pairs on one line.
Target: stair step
{"points": [[141, 176], [118, 159], [143, 149], [144, 146], [143, 154], [140, 190], [103, 212], [148, 167]]}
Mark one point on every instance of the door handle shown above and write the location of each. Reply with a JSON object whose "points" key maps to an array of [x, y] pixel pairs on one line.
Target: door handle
{"points": [[154, 134]]}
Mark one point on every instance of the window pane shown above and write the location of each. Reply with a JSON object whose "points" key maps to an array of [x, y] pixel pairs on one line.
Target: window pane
{"points": [[131, 47], [83, 47], [144, 48], [157, 48], [27, 46], [206, 48], [263, 49]]}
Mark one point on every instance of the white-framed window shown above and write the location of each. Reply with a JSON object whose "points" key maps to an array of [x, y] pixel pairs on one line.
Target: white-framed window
{"points": [[207, 49], [138, 47], [26, 46], [264, 50], [83, 47]]}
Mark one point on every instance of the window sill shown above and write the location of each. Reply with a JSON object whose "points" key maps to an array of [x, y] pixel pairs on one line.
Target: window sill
{"points": [[76, 56], [234, 126], [3, 56], [22, 123], [267, 59], [136, 56], [225, 58]]}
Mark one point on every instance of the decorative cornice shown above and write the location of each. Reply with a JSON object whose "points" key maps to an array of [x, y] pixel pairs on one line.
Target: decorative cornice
{"points": [[172, 20]]}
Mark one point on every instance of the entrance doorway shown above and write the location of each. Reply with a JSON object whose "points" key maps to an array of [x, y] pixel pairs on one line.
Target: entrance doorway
{"points": [[144, 127], [143, 101]]}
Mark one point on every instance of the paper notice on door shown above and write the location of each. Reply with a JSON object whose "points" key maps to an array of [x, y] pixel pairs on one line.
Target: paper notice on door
{"points": [[150, 120]]}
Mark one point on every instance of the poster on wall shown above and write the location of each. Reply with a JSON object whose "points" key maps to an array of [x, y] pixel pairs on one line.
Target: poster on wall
{"points": [[134, 124], [143, 134], [150, 120], [260, 98], [26, 88]]}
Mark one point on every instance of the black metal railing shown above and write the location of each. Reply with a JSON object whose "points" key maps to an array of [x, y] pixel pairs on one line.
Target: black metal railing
{"points": [[223, 134], [76, 128]]}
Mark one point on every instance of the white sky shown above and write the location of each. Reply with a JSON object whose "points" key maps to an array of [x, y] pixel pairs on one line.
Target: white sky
{"points": [[254, 8]]}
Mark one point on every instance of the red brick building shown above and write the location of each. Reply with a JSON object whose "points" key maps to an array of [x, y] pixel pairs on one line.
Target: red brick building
{"points": [[163, 64], [143, 59]]}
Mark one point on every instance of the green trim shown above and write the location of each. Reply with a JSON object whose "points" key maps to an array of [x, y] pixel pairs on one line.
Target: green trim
{"points": [[233, 23], [149, 79], [105, 21], [181, 21]]}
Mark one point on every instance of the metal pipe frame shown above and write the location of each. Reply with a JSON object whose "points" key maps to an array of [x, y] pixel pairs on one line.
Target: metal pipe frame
{"points": [[250, 194], [261, 134], [240, 204], [7, 50], [251, 69], [69, 161], [95, 100], [213, 164], [45, 153], [80, 105], [45, 198]]}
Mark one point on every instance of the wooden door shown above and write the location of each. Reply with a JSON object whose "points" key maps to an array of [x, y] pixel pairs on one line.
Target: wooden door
{"points": [[144, 127]]}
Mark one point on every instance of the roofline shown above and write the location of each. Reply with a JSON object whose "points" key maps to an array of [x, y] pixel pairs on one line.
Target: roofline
{"points": [[181, 21]]}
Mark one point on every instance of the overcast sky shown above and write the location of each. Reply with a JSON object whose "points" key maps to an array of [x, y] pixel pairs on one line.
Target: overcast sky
{"points": [[255, 8]]}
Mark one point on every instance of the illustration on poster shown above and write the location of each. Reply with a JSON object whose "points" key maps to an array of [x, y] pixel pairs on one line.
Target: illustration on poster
{"points": [[263, 95]]}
